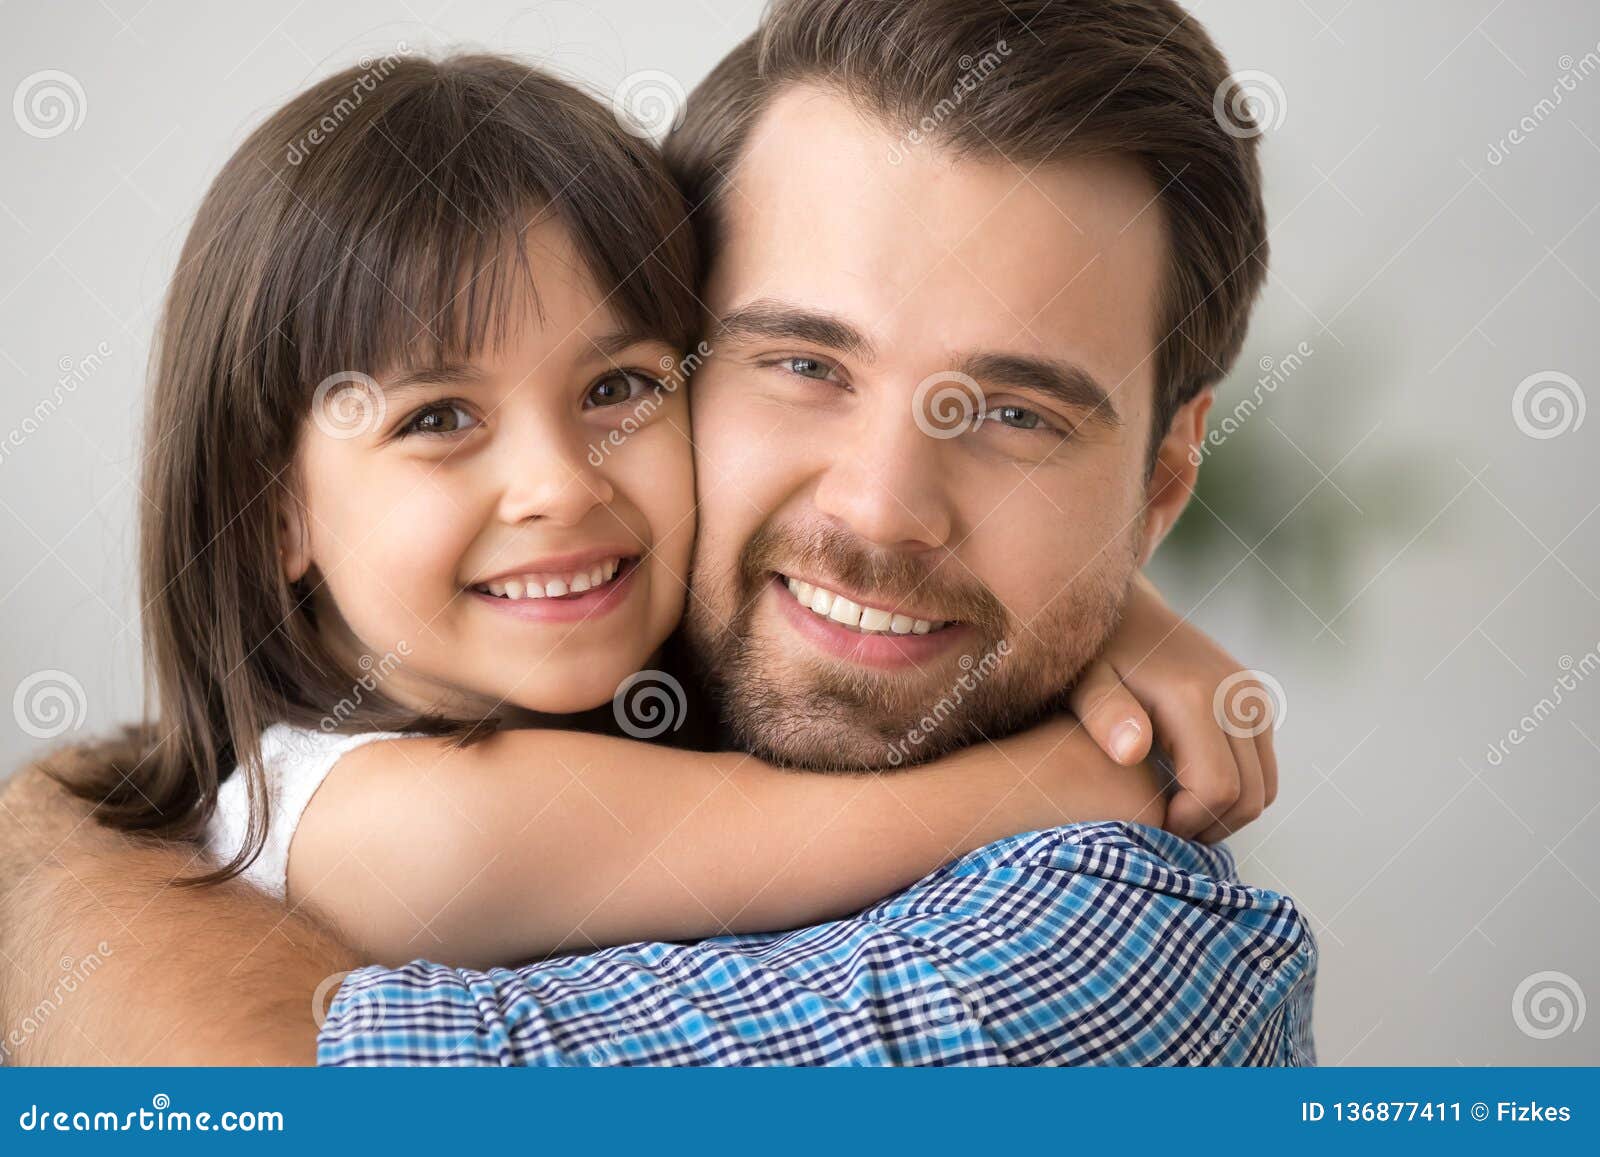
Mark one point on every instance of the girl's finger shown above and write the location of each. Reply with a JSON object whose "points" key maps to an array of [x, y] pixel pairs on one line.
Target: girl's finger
{"points": [[1110, 714], [1251, 794]]}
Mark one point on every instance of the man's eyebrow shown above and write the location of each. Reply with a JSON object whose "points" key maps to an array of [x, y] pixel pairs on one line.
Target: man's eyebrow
{"points": [[1065, 382], [769, 318]]}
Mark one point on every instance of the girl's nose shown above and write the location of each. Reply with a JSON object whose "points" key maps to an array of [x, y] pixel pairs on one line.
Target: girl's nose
{"points": [[552, 483]]}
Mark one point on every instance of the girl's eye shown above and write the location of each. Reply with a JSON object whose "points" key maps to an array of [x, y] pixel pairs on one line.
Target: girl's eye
{"points": [[439, 418], [1017, 417], [617, 389]]}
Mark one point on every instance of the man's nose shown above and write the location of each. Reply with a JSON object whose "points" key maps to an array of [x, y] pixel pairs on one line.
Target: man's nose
{"points": [[550, 476], [890, 483]]}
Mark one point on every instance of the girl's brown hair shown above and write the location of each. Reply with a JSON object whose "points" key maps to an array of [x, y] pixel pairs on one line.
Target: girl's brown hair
{"points": [[376, 219]]}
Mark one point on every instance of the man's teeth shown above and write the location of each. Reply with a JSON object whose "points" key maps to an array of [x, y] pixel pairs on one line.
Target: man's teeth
{"points": [[869, 620], [553, 586]]}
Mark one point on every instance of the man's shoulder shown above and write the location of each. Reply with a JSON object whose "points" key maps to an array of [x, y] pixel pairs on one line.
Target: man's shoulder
{"points": [[1093, 858], [1113, 849], [1120, 883], [1120, 923]]}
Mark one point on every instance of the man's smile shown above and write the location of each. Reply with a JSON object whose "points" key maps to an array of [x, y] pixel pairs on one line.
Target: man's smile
{"points": [[859, 616], [858, 632]]}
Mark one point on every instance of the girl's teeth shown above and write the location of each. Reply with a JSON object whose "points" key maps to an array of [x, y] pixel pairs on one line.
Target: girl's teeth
{"points": [[540, 587], [852, 614]]}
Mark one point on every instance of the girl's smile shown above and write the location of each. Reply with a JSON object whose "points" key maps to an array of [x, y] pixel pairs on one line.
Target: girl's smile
{"points": [[551, 593]]}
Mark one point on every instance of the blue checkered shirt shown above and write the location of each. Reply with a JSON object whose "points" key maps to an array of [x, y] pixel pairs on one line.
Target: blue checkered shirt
{"points": [[1099, 944]]}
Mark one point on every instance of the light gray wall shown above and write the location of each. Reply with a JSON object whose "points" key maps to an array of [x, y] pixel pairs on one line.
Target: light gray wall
{"points": [[1381, 534]]}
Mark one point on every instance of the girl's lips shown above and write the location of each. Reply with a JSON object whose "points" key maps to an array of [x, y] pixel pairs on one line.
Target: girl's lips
{"points": [[841, 642], [591, 604]]}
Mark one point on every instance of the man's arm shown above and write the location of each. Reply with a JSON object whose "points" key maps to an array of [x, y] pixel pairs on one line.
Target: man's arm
{"points": [[181, 976]]}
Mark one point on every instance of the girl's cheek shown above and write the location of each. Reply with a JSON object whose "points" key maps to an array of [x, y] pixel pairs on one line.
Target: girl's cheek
{"points": [[662, 476], [402, 534]]}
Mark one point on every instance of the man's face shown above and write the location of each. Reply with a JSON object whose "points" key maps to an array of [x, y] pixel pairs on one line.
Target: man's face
{"points": [[872, 299]]}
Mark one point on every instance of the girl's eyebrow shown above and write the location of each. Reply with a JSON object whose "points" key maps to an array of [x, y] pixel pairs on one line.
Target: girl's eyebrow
{"points": [[440, 374], [611, 344], [467, 374]]}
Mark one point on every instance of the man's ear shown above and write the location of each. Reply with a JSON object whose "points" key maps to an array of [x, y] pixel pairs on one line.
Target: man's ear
{"points": [[294, 536], [1177, 465]]}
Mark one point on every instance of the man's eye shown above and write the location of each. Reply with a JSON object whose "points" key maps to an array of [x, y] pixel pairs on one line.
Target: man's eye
{"points": [[439, 418], [617, 389], [814, 368], [1016, 417]]}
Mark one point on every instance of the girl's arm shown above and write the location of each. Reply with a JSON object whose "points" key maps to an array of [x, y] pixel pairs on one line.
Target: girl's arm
{"points": [[1213, 716], [536, 842]]}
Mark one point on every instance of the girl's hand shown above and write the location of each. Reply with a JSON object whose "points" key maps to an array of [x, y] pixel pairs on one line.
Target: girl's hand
{"points": [[1159, 665]]}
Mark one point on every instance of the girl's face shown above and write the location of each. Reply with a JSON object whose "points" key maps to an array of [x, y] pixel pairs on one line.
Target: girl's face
{"points": [[511, 533]]}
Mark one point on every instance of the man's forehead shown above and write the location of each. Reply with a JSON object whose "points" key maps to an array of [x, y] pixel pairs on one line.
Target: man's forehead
{"points": [[832, 208]]}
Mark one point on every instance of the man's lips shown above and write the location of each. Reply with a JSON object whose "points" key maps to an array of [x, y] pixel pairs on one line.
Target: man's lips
{"points": [[859, 611], [870, 648]]}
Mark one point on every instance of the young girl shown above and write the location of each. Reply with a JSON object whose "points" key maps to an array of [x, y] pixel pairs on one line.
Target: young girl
{"points": [[380, 553]]}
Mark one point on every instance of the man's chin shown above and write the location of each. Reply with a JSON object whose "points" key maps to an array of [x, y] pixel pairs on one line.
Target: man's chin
{"points": [[836, 718]]}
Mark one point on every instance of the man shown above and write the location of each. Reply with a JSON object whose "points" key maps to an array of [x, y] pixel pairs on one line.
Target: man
{"points": [[973, 269]]}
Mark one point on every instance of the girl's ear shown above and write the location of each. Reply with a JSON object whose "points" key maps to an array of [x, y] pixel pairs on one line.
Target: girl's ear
{"points": [[1177, 466], [294, 537]]}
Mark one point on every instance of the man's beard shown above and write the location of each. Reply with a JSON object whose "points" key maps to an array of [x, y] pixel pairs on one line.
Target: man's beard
{"points": [[796, 709]]}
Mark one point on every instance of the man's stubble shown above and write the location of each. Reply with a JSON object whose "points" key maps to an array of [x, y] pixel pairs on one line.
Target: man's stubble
{"points": [[794, 708]]}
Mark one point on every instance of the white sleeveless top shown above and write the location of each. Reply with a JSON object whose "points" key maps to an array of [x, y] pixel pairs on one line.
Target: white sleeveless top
{"points": [[296, 760]]}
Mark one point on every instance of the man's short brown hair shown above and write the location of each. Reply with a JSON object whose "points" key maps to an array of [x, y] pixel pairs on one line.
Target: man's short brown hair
{"points": [[1074, 77]]}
